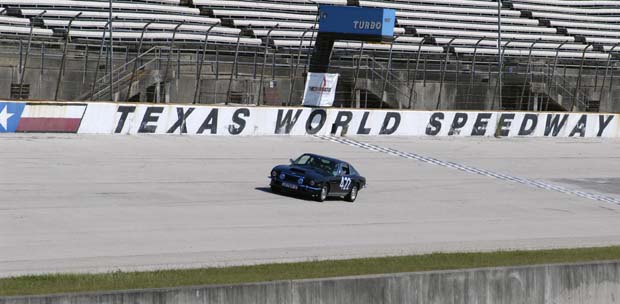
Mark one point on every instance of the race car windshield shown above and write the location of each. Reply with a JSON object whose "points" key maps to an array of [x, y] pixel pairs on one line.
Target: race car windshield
{"points": [[319, 163]]}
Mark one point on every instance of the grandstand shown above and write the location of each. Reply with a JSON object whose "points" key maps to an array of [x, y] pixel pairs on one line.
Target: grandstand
{"points": [[558, 55]]}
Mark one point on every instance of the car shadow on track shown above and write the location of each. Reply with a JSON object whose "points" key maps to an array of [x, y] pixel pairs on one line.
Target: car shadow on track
{"points": [[297, 196]]}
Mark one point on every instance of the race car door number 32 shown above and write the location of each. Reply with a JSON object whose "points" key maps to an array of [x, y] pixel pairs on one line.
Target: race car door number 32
{"points": [[345, 183]]}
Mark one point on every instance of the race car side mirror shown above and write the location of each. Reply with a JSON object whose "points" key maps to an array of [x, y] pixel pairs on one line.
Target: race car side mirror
{"points": [[291, 160]]}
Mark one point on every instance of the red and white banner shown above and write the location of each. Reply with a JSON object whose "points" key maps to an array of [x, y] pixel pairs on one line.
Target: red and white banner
{"points": [[320, 90]]}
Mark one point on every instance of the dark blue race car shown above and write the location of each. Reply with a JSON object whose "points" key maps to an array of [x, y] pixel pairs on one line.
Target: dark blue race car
{"points": [[318, 176]]}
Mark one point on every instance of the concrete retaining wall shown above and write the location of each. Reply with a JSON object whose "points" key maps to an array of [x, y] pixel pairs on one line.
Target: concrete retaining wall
{"points": [[132, 118], [595, 283]]}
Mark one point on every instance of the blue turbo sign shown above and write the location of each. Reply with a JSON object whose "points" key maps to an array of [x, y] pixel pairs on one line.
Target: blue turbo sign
{"points": [[364, 23]]}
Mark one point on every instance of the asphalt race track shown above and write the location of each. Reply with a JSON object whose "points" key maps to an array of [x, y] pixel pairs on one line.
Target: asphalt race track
{"points": [[76, 203]]}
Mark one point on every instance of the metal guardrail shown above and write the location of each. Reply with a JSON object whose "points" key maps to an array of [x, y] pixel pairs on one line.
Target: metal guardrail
{"points": [[280, 64]]}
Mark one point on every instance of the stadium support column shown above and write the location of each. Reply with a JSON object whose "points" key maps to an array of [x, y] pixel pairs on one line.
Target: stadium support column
{"points": [[319, 62]]}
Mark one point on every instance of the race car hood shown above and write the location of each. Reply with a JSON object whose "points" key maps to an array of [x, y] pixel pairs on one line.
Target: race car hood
{"points": [[306, 172]]}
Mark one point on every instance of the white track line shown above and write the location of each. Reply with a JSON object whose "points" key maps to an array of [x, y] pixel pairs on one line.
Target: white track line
{"points": [[429, 160]]}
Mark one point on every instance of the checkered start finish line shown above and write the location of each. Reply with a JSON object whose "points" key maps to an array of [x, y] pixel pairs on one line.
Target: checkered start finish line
{"points": [[446, 164]]}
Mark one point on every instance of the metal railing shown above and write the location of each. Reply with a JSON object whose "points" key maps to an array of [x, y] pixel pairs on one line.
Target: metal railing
{"points": [[402, 74]]}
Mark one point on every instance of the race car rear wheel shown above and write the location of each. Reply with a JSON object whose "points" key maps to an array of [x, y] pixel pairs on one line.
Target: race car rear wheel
{"points": [[352, 194], [323, 194]]}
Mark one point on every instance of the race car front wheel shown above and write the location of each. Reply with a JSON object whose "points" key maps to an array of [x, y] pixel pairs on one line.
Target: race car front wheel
{"points": [[323, 194], [352, 194]]}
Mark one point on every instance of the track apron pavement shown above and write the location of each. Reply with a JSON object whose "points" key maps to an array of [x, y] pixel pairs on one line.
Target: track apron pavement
{"points": [[78, 203]]}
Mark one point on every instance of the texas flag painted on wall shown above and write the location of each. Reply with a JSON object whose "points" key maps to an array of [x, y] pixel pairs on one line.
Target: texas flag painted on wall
{"points": [[10, 113], [58, 118], [33, 117]]}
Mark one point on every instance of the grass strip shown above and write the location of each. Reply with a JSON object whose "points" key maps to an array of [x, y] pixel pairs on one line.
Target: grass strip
{"points": [[61, 283]]}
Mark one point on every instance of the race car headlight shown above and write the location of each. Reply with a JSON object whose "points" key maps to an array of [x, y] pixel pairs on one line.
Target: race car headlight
{"points": [[274, 173], [312, 183]]}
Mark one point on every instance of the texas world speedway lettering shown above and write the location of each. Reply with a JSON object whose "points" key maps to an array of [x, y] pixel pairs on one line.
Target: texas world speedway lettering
{"points": [[240, 121]]}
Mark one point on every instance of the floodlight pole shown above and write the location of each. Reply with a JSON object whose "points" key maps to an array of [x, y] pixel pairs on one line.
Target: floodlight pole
{"points": [[499, 49]]}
